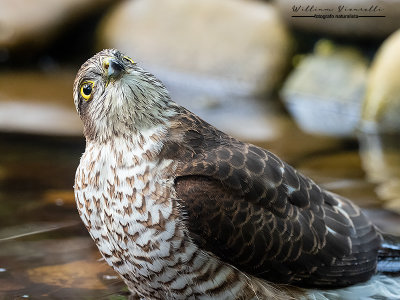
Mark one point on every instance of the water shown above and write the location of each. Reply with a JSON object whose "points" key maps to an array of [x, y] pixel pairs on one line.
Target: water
{"points": [[44, 249]]}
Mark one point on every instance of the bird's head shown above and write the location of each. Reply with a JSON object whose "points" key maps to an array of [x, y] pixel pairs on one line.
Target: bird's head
{"points": [[115, 97]]}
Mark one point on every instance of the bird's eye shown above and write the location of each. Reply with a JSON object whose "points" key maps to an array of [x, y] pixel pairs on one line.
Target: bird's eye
{"points": [[128, 59], [87, 89]]}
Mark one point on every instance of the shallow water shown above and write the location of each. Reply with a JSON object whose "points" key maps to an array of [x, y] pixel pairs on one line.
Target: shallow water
{"points": [[45, 251]]}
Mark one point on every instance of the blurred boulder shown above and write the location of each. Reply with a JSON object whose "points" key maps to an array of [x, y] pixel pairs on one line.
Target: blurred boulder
{"points": [[381, 108], [379, 133], [350, 18], [324, 92], [34, 23], [38, 103], [215, 46]]}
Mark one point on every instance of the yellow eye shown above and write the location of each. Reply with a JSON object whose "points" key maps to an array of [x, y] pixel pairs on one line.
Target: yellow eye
{"points": [[129, 59], [87, 89]]}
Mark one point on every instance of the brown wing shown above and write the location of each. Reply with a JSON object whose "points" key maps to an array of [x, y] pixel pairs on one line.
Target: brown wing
{"points": [[259, 214]]}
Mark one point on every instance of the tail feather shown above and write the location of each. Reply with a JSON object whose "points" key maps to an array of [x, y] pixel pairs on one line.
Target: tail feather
{"points": [[389, 255]]}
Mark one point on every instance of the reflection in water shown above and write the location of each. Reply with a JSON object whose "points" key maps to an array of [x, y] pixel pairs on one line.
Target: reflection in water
{"points": [[380, 154]]}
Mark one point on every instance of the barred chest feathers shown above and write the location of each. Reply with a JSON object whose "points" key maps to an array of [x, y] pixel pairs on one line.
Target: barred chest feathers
{"points": [[126, 200]]}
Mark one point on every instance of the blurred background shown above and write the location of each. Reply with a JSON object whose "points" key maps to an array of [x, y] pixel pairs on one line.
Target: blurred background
{"points": [[316, 82]]}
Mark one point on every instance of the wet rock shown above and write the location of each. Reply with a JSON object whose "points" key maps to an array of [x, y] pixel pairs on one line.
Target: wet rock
{"points": [[218, 46], [38, 103], [77, 274], [341, 18], [35, 23], [379, 133], [325, 91], [381, 109], [380, 155]]}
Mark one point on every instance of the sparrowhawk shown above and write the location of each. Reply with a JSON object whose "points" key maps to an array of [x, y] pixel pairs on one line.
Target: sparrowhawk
{"points": [[182, 210]]}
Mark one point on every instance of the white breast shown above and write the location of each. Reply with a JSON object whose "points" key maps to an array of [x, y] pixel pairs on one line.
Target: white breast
{"points": [[126, 199]]}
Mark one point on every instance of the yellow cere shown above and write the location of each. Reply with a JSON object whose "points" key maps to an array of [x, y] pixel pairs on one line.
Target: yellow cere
{"points": [[87, 90], [130, 59]]}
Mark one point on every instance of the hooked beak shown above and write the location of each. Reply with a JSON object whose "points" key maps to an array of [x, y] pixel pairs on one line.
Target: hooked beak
{"points": [[113, 68]]}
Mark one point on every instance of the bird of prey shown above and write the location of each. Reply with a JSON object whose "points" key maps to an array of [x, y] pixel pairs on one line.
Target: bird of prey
{"points": [[182, 210]]}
